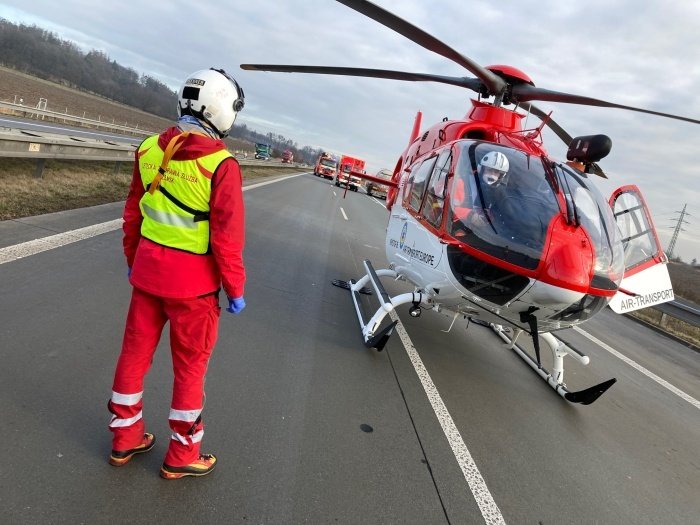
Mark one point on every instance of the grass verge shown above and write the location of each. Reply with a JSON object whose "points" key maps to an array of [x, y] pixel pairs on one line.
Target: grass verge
{"points": [[67, 185]]}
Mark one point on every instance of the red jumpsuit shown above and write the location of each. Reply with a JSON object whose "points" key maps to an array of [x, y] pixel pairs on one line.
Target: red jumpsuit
{"points": [[182, 288]]}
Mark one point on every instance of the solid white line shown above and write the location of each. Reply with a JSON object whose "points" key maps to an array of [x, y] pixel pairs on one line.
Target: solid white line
{"points": [[343, 212], [25, 249], [640, 368], [489, 510]]}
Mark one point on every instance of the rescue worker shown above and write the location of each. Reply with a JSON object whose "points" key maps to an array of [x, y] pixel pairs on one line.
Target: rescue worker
{"points": [[183, 240]]}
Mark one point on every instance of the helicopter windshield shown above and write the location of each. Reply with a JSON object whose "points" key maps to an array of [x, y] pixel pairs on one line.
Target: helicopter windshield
{"points": [[501, 202], [595, 215]]}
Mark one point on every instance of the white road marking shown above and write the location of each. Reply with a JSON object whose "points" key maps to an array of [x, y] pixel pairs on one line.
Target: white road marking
{"points": [[489, 510], [640, 368], [343, 212], [25, 249]]}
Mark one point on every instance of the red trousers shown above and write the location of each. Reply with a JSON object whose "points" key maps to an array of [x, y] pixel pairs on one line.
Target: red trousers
{"points": [[193, 332]]}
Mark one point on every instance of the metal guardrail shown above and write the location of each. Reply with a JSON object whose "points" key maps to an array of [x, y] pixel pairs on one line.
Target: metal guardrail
{"points": [[28, 144], [43, 113], [678, 310], [19, 143]]}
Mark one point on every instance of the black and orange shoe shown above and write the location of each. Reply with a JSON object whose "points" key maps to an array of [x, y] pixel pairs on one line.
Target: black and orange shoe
{"points": [[201, 467], [122, 457]]}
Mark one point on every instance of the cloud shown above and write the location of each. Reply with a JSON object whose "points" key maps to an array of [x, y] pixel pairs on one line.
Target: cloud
{"points": [[639, 54]]}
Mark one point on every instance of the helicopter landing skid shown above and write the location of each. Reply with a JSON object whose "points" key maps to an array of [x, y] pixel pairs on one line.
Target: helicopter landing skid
{"points": [[371, 335], [556, 378]]}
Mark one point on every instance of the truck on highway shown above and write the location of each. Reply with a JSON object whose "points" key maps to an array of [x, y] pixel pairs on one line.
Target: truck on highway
{"points": [[346, 165], [287, 156], [376, 189], [263, 151], [326, 166]]}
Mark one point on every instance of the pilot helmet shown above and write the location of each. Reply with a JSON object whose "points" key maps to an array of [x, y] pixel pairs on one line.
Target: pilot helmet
{"points": [[493, 168]]}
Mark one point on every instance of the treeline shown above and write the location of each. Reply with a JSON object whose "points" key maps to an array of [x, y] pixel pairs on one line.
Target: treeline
{"points": [[43, 54], [279, 143]]}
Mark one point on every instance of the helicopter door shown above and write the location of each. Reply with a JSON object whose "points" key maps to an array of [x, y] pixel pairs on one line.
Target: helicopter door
{"points": [[646, 280], [410, 245]]}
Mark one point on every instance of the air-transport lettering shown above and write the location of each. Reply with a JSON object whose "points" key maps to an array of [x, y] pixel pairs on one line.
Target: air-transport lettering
{"points": [[649, 299]]}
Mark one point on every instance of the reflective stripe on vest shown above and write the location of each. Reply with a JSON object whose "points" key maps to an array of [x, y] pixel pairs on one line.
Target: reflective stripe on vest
{"points": [[176, 214]]}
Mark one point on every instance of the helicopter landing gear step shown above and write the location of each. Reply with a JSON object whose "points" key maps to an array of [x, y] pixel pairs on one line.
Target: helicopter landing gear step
{"points": [[346, 285], [371, 335]]}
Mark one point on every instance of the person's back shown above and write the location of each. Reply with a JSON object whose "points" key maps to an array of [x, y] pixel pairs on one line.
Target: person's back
{"points": [[183, 241]]}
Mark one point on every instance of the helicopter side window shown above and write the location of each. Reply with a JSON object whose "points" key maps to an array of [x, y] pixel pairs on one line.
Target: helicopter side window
{"points": [[418, 181], [435, 197]]}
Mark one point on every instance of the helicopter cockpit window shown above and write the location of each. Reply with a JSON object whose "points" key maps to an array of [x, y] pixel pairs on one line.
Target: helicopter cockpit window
{"points": [[501, 202], [417, 182], [596, 217], [435, 196]]}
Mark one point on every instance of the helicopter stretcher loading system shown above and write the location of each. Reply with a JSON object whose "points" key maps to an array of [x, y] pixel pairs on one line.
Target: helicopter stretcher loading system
{"points": [[375, 338]]}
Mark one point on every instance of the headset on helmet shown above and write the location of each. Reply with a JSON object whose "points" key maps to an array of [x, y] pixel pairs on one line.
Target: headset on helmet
{"points": [[212, 96], [494, 167]]}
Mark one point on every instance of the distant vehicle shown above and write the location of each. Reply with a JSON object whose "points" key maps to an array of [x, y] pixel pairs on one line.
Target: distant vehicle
{"points": [[346, 165], [326, 166], [377, 189], [263, 151], [287, 156]]}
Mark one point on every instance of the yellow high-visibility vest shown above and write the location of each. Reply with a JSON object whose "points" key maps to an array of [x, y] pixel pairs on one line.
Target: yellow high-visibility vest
{"points": [[176, 211]]}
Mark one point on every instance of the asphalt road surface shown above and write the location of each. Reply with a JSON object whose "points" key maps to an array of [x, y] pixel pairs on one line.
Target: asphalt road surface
{"points": [[310, 426]]}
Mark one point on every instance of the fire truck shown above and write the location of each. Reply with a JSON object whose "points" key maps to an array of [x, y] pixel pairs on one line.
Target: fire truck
{"points": [[287, 156], [345, 166], [326, 166]]}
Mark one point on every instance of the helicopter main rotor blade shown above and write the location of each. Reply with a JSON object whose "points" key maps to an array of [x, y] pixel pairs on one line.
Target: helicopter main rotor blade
{"points": [[471, 83], [526, 92], [495, 84]]}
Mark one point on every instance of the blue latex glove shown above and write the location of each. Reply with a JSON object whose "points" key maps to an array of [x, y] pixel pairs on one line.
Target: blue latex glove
{"points": [[128, 273], [235, 306]]}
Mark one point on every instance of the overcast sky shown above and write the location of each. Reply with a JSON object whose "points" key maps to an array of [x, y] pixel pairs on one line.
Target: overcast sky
{"points": [[638, 53]]}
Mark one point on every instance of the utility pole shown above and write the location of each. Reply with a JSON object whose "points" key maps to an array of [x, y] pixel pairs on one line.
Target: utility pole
{"points": [[677, 230]]}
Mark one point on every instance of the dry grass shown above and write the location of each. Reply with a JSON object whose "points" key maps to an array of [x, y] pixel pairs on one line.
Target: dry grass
{"points": [[675, 327], [67, 185]]}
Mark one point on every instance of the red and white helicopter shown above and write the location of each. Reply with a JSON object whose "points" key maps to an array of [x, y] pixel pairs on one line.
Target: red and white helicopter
{"points": [[484, 224]]}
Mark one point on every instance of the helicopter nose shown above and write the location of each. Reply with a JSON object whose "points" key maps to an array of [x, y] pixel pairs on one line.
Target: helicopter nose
{"points": [[569, 260]]}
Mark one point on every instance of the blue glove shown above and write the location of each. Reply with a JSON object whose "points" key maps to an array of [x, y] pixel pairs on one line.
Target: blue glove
{"points": [[128, 273], [235, 306]]}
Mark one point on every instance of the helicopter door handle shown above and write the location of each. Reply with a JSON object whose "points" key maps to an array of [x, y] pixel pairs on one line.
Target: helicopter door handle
{"points": [[402, 216]]}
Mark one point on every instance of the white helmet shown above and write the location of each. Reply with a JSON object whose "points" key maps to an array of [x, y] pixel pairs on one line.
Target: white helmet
{"points": [[212, 96], [494, 167]]}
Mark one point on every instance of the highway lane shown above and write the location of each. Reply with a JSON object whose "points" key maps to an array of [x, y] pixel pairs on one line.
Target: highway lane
{"points": [[291, 388]]}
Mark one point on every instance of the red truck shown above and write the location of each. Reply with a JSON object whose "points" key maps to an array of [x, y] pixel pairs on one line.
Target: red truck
{"points": [[287, 156], [345, 166], [326, 166]]}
